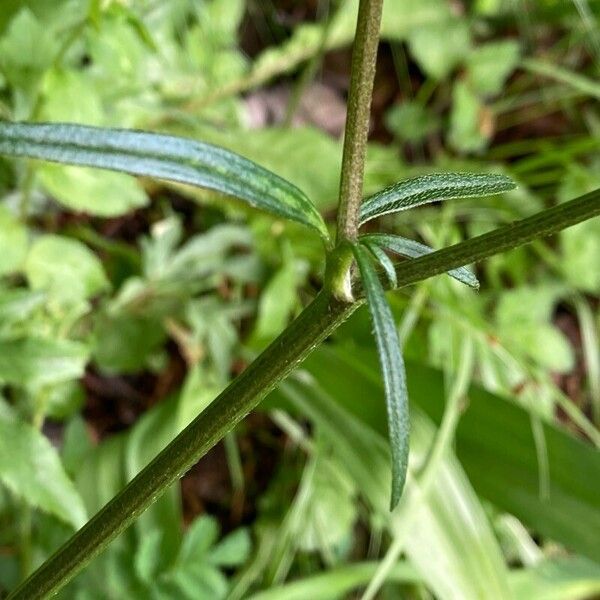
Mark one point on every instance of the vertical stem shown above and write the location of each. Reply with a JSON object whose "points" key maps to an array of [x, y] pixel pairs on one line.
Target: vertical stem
{"points": [[364, 56]]}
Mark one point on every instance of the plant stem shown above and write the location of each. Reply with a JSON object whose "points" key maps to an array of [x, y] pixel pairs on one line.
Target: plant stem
{"points": [[499, 240], [313, 325], [364, 56]]}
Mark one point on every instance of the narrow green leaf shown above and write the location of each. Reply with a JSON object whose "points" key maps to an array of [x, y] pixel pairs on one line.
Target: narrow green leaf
{"points": [[412, 249], [572, 577], [431, 188], [162, 156], [448, 540], [384, 260], [392, 367], [569, 515], [336, 582]]}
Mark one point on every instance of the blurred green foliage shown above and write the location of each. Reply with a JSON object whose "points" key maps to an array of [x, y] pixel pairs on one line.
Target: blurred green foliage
{"points": [[105, 277]]}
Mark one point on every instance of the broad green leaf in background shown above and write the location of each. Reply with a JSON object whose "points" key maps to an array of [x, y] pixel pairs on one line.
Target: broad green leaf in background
{"points": [[27, 49], [440, 46], [392, 368], [411, 122], [196, 569], [55, 13], [233, 550], [471, 122], [336, 582], [165, 157], [278, 300], [524, 317], [16, 307], [36, 362], [224, 17], [580, 244], [64, 400], [30, 467], [73, 96], [412, 249], [200, 536], [431, 188], [563, 578], [489, 65], [328, 515], [13, 242], [90, 192], [449, 540], [124, 342], [147, 559], [570, 514], [66, 268]]}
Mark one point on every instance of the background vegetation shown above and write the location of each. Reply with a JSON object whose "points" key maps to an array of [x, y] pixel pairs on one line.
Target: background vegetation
{"points": [[126, 305]]}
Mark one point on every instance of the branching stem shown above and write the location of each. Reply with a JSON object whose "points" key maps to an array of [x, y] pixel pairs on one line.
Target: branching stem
{"points": [[312, 326]]}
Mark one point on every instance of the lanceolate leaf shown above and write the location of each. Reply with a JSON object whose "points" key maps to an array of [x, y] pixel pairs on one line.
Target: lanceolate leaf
{"points": [[392, 367], [162, 156], [384, 260], [412, 249], [431, 188]]}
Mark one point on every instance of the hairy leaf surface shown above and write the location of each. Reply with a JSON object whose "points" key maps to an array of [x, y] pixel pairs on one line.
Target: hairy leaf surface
{"points": [[431, 188], [162, 156], [384, 260], [392, 367], [412, 249]]}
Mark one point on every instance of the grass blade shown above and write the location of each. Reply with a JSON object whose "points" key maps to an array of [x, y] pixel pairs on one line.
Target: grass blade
{"points": [[165, 157], [431, 188], [494, 444], [392, 367], [412, 249]]}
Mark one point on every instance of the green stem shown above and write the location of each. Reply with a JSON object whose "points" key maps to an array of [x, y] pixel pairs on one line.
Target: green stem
{"points": [[364, 57], [499, 240], [312, 326]]}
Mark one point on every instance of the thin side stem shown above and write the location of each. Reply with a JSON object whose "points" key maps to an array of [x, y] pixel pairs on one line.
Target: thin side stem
{"points": [[364, 57], [499, 240], [312, 326]]}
